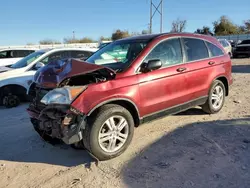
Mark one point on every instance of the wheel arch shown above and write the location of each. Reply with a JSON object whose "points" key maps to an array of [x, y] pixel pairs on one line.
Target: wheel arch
{"points": [[126, 103], [224, 80], [13, 88]]}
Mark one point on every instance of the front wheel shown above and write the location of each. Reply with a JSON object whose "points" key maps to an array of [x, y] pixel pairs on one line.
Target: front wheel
{"points": [[109, 132], [216, 98]]}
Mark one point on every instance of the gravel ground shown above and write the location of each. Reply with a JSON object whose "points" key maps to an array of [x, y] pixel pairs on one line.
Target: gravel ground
{"points": [[190, 149]]}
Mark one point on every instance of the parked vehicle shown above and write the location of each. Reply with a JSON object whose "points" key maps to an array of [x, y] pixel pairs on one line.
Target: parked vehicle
{"points": [[103, 43], [242, 49], [11, 56], [15, 80], [227, 46], [98, 106]]}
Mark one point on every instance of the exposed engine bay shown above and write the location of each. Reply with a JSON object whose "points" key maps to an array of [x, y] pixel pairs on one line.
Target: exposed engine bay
{"points": [[86, 79], [55, 120]]}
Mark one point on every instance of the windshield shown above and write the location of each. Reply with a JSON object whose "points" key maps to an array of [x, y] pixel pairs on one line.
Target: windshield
{"points": [[245, 42], [117, 55], [27, 60]]}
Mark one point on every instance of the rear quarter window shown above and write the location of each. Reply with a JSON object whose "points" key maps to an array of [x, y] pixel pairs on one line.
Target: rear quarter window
{"points": [[214, 50]]}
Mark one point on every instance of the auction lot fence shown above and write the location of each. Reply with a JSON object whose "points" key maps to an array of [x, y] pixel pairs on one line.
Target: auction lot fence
{"points": [[38, 46], [234, 37]]}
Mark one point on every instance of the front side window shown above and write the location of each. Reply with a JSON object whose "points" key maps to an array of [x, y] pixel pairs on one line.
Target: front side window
{"points": [[3, 54], [56, 56], [215, 51], [169, 52], [118, 55], [27, 60], [195, 49]]}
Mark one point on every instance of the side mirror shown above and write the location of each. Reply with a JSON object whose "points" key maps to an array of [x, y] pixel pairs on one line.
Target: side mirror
{"points": [[39, 65], [151, 65]]}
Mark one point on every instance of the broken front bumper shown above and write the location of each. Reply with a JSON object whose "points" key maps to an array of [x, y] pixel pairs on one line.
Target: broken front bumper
{"points": [[58, 121]]}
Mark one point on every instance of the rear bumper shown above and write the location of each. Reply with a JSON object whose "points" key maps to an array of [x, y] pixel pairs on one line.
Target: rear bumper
{"points": [[69, 134]]}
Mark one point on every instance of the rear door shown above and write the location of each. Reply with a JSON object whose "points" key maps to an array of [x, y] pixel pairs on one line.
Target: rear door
{"points": [[201, 64], [6, 58], [166, 87]]}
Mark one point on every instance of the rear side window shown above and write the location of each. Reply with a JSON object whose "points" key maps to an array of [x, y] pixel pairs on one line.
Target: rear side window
{"points": [[21, 53], [215, 51], [169, 52], [80, 54], [56, 56], [3, 54], [195, 49]]}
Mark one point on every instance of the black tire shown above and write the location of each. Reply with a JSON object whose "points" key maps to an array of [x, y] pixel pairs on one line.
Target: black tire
{"points": [[208, 107], [95, 122], [10, 101]]}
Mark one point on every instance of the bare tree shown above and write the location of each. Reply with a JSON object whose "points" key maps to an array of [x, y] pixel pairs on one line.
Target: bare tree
{"points": [[178, 25]]}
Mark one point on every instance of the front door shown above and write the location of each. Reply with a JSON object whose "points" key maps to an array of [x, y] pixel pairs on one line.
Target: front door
{"points": [[166, 87]]}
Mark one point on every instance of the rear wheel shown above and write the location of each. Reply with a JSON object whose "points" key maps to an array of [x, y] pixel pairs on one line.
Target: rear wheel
{"points": [[216, 98], [109, 132]]}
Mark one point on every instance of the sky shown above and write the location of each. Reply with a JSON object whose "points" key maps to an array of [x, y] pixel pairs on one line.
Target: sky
{"points": [[29, 21]]}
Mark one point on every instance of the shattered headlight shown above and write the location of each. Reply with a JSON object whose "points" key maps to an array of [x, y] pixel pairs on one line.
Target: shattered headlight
{"points": [[63, 95]]}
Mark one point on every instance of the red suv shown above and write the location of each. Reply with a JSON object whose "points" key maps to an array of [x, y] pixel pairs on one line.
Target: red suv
{"points": [[97, 104]]}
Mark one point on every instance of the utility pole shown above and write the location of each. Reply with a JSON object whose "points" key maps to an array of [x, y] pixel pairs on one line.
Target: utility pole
{"points": [[157, 8], [73, 35]]}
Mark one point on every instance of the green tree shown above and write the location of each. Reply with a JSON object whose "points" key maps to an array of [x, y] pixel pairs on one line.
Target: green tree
{"points": [[247, 26], [85, 40], [102, 38], [49, 41], [205, 31], [119, 34], [224, 26]]}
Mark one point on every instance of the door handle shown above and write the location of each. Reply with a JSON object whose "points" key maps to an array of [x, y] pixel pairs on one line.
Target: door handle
{"points": [[181, 69], [211, 62]]}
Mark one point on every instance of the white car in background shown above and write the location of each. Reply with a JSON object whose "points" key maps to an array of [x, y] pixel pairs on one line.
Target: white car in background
{"points": [[227, 46], [11, 56], [15, 80]]}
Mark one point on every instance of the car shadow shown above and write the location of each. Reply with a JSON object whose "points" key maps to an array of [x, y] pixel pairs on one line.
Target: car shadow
{"points": [[206, 154], [20, 143], [241, 68], [192, 111]]}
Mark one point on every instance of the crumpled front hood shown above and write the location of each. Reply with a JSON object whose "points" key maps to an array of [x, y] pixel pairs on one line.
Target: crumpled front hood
{"points": [[51, 75]]}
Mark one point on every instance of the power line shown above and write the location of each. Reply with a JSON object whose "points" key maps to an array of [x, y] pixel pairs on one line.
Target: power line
{"points": [[158, 8]]}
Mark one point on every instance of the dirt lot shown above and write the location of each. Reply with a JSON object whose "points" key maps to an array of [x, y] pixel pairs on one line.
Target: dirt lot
{"points": [[190, 149]]}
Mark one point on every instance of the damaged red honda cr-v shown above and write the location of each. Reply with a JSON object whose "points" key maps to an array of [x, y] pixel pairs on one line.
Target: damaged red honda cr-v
{"points": [[97, 104]]}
